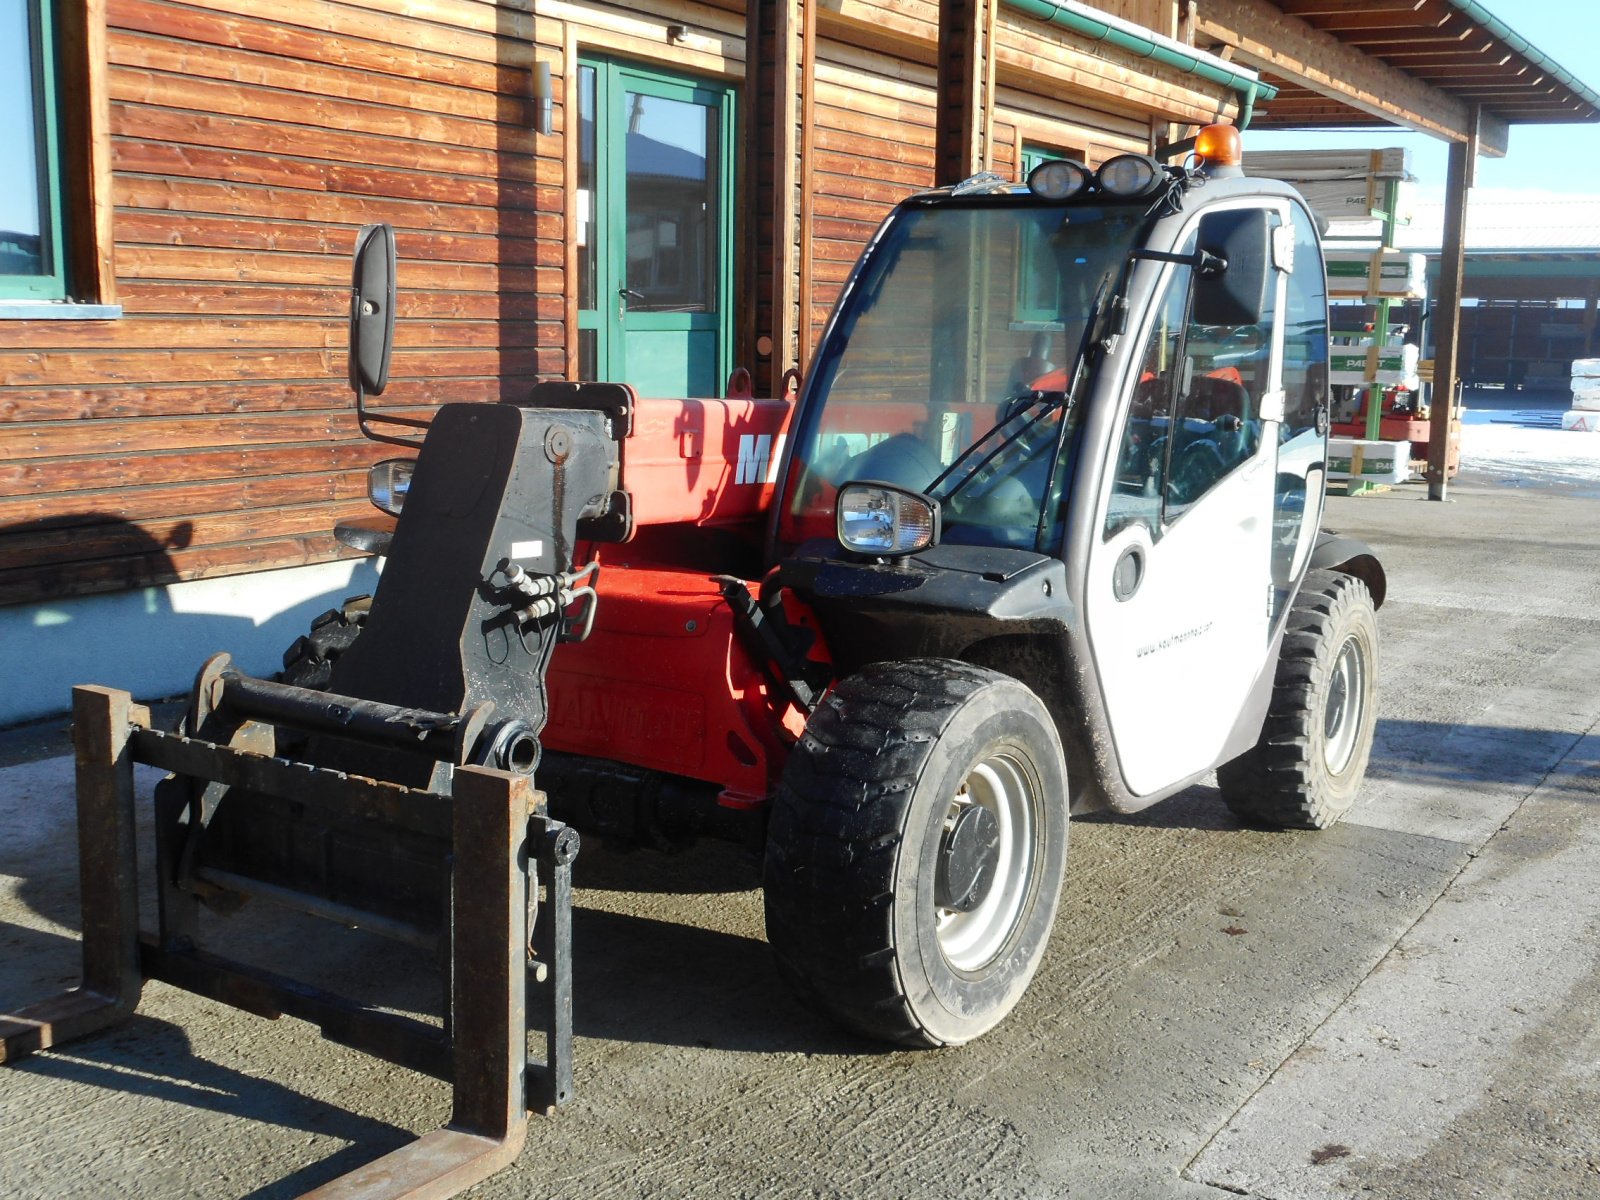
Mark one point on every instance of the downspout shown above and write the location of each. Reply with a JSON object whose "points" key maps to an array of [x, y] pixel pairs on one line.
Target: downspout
{"points": [[1145, 43]]}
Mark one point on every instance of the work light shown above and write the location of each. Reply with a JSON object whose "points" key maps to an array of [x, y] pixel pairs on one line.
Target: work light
{"points": [[1130, 175], [886, 521], [1059, 179], [389, 481]]}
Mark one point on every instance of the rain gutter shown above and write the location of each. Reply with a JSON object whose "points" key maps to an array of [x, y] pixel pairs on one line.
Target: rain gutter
{"points": [[1146, 43]]}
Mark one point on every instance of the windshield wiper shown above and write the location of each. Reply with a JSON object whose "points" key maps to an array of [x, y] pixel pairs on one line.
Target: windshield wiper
{"points": [[1050, 400], [1093, 335]]}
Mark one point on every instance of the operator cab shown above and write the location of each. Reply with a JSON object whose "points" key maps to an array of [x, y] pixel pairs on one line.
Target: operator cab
{"points": [[963, 350], [1108, 388], [951, 367]]}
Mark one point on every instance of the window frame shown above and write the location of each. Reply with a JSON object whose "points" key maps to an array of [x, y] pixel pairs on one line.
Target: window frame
{"points": [[1176, 279], [1169, 515], [44, 78], [72, 93]]}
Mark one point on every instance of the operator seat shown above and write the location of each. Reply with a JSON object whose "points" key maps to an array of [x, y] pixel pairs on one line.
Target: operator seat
{"points": [[903, 459], [1214, 435]]}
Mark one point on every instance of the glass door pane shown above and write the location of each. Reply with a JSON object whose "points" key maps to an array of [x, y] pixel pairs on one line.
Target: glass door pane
{"points": [[671, 205], [655, 230], [586, 233]]}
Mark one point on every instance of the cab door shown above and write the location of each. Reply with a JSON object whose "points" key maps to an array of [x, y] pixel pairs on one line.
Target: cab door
{"points": [[1179, 595]]}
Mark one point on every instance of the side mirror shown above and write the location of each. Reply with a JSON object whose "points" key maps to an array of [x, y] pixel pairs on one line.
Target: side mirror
{"points": [[1238, 292], [372, 310]]}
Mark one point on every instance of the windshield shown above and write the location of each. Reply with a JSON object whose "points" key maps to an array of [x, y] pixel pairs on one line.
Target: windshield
{"points": [[949, 368]]}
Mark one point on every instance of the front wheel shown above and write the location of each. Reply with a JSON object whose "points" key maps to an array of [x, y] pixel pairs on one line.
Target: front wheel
{"points": [[916, 850]]}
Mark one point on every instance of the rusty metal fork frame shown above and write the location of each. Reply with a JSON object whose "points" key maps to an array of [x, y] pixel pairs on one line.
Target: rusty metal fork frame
{"points": [[497, 827], [102, 721]]}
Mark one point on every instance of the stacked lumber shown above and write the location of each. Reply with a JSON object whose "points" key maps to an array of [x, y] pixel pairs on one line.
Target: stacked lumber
{"points": [[1584, 415]]}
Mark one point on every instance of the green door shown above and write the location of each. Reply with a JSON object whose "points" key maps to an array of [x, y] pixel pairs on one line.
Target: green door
{"points": [[655, 236]]}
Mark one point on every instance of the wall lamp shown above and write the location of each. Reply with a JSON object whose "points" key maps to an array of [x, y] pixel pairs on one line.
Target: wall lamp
{"points": [[544, 100]]}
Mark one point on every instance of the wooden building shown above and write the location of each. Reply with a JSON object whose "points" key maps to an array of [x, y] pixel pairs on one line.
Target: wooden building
{"points": [[684, 195]]}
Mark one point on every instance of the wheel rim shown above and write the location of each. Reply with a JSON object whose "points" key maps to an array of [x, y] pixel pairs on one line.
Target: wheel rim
{"points": [[970, 939], [1342, 714]]}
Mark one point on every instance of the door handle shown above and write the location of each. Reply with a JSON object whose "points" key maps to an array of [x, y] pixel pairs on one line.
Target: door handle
{"points": [[1128, 574], [624, 295]]}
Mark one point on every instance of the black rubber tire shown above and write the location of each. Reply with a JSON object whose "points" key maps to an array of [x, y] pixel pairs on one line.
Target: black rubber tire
{"points": [[855, 838], [1286, 779], [308, 663]]}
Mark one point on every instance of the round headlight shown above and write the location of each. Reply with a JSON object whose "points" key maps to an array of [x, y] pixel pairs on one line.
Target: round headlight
{"points": [[1131, 175], [1059, 179], [388, 482], [882, 520]]}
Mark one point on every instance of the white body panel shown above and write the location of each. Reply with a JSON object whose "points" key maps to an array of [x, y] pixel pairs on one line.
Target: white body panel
{"points": [[1177, 658]]}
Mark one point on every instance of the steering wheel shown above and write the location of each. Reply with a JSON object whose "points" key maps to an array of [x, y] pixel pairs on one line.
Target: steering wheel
{"points": [[1198, 466]]}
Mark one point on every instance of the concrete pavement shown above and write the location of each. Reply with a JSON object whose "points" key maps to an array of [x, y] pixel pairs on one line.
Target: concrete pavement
{"points": [[1407, 1005]]}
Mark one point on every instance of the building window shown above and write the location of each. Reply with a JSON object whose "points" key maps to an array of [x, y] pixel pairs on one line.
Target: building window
{"points": [[33, 259]]}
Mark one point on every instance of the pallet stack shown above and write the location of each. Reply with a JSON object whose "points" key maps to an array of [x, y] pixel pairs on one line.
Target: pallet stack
{"points": [[1584, 415]]}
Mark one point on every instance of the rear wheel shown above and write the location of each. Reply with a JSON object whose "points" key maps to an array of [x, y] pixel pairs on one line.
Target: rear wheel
{"points": [[1308, 765], [916, 850]]}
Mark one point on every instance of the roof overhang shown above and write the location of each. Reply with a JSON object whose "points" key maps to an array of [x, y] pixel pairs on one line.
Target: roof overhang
{"points": [[1444, 67]]}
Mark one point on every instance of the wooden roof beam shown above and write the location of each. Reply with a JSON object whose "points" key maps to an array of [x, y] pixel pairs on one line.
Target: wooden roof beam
{"points": [[1289, 47], [1440, 39], [1280, 112], [1373, 19], [1547, 113], [1508, 71], [1314, 8], [1466, 54], [1510, 89]]}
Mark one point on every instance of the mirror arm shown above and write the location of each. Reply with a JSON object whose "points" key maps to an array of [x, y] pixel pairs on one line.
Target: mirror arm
{"points": [[1203, 261], [364, 420]]}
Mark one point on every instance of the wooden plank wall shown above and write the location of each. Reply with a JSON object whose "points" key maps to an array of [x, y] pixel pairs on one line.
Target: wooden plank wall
{"points": [[209, 431], [1159, 15]]}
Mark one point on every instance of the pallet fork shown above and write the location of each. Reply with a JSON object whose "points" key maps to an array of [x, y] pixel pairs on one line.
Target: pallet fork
{"points": [[494, 836]]}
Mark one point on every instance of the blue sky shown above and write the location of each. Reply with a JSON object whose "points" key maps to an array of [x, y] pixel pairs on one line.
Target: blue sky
{"points": [[1551, 158]]}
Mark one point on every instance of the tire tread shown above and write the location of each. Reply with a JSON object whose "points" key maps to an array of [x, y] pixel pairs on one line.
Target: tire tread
{"points": [[1276, 782], [843, 801]]}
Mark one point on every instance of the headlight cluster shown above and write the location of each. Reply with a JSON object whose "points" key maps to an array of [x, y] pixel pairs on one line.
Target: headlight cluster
{"points": [[1129, 176], [881, 520]]}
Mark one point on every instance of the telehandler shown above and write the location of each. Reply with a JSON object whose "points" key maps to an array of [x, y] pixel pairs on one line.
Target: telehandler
{"points": [[1041, 535]]}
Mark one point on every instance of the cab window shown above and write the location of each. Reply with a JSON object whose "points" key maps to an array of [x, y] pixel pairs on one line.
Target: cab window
{"points": [[1194, 415]]}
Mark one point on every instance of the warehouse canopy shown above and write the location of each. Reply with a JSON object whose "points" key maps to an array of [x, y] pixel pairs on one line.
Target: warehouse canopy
{"points": [[1449, 68], [1445, 67]]}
